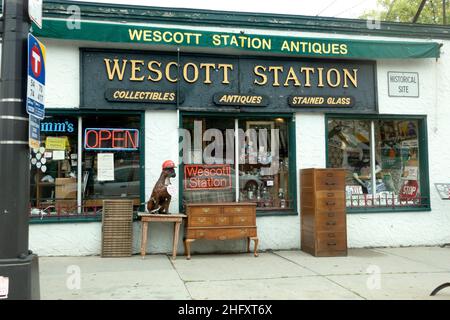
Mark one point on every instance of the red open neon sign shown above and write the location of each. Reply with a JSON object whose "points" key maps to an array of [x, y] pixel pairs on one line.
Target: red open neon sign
{"points": [[111, 139]]}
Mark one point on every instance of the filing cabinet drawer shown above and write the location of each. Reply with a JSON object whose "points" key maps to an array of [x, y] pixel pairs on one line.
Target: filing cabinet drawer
{"points": [[330, 180], [331, 241]]}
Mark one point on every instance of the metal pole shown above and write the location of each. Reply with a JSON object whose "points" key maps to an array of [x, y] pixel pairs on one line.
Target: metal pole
{"points": [[80, 186], [17, 263]]}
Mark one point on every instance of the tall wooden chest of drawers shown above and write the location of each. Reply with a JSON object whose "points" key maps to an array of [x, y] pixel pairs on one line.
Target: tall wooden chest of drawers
{"points": [[322, 211], [220, 221]]}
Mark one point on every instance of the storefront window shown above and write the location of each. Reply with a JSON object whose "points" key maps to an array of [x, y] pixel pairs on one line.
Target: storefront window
{"points": [[110, 164], [384, 153], [53, 176], [210, 170]]}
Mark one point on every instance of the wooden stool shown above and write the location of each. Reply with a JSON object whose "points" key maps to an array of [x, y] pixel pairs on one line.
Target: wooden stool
{"points": [[146, 218]]}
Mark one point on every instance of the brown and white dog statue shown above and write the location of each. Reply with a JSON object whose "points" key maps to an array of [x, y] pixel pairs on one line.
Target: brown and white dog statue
{"points": [[160, 199]]}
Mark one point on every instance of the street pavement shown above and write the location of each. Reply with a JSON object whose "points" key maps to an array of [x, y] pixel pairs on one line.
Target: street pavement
{"points": [[372, 274]]}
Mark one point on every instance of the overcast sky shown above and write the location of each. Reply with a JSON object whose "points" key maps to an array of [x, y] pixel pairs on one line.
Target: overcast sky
{"points": [[329, 8]]}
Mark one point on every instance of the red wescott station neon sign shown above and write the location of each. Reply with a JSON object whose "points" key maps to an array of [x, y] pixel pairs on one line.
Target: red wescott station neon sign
{"points": [[117, 139], [207, 176]]}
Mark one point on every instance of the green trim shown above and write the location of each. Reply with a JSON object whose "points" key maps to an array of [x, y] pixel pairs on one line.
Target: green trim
{"points": [[201, 17], [75, 219], [423, 158], [292, 154], [388, 210], [309, 47], [142, 163]]}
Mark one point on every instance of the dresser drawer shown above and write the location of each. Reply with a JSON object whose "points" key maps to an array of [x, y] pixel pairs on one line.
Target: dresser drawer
{"points": [[241, 210], [222, 220], [201, 221], [243, 220], [222, 233], [204, 210], [330, 180], [331, 241]]}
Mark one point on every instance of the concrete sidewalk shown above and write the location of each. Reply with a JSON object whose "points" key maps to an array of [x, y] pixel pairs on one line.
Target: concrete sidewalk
{"points": [[392, 273]]}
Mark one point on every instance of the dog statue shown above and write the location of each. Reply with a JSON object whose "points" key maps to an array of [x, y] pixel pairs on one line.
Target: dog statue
{"points": [[160, 199]]}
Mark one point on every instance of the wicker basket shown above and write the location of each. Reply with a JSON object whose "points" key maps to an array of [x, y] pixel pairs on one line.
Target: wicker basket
{"points": [[117, 228]]}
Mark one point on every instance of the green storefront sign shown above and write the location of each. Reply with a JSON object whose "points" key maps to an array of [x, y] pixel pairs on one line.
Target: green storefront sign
{"points": [[293, 46]]}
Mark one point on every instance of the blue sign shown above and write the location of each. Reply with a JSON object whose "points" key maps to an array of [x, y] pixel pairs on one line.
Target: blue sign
{"points": [[36, 78]]}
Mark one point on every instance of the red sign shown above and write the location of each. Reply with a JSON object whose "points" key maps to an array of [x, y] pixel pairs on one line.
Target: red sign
{"points": [[207, 176], [409, 190], [111, 139], [36, 63]]}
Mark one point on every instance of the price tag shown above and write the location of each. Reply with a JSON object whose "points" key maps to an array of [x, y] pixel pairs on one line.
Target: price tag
{"points": [[4, 287]]}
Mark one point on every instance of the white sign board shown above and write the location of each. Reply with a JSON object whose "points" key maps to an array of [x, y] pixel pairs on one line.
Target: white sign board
{"points": [[105, 167], [403, 84], [35, 12], [4, 287]]}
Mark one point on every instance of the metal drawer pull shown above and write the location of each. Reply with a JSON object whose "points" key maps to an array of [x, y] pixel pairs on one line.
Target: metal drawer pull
{"points": [[206, 210], [331, 235], [330, 203], [330, 194], [222, 219], [329, 174], [243, 219], [332, 243], [331, 214], [243, 231], [331, 223], [330, 183], [202, 219], [222, 237], [238, 209], [201, 234]]}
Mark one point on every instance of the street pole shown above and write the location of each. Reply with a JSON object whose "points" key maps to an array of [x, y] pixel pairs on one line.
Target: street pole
{"points": [[17, 263]]}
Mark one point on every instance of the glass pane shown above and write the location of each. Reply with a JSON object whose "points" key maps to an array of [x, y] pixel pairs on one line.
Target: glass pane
{"points": [[264, 163], [397, 150], [125, 182], [207, 149], [349, 148], [53, 176]]}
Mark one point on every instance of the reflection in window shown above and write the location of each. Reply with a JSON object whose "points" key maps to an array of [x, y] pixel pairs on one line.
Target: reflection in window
{"points": [[394, 169]]}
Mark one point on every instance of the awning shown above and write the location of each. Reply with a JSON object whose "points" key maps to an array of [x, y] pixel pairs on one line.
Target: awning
{"points": [[216, 40]]}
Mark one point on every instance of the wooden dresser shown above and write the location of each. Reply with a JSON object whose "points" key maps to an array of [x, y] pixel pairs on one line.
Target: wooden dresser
{"points": [[220, 221], [322, 211]]}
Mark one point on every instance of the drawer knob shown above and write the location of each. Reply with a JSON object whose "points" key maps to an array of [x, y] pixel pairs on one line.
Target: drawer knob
{"points": [[243, 231], [222, 237], [330, 194]]}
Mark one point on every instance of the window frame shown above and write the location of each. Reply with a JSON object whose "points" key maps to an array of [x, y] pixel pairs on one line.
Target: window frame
{"points": [[290, 117], [423, 158]]}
